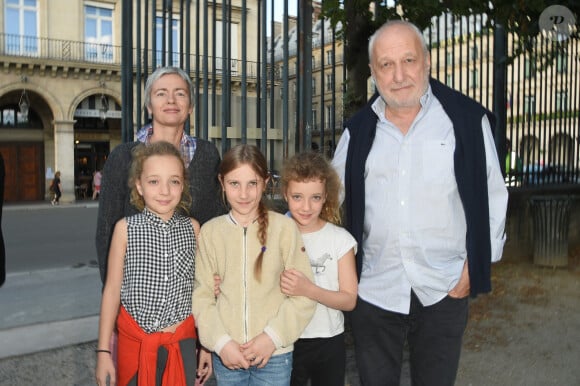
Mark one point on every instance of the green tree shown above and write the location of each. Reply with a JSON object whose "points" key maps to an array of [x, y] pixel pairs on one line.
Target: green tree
{"points": [[359, 22]]}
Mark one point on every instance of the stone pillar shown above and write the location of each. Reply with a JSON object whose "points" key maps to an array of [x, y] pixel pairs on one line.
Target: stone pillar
{"points": [[64, 158]]}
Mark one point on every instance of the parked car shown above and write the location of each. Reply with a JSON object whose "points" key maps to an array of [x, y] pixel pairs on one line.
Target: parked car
{"points": [[536, 174]]}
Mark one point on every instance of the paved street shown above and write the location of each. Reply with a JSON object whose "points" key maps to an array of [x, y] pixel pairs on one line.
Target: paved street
{"points": [[40, 236], [52, 292]]}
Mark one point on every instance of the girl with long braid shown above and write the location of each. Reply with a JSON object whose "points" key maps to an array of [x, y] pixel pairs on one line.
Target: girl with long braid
{"points": [[251, 326]]}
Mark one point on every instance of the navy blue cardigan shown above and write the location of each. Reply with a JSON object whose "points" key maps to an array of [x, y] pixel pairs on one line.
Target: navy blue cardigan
{"points": [[470, 174]]}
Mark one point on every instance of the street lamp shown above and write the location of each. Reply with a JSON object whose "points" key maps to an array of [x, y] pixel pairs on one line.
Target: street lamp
{"points": [[24, 105], [104, 107]]}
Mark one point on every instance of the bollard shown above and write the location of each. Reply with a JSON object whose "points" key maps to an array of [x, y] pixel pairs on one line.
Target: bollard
{"points": [[551, 216]]}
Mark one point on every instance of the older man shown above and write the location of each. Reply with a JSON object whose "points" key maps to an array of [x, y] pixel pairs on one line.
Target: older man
{"points": [[425, 199]]}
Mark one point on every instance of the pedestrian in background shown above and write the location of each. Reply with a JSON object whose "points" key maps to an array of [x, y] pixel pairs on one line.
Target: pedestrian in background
{"points": [[148, 290], [56, 189], [311, 188], [97, 184], [426, 201], [251, 325]]}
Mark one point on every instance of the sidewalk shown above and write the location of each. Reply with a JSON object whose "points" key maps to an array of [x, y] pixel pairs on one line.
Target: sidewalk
{"points": [[43, 310], [49, 327], [33, 205], [524, 333]]}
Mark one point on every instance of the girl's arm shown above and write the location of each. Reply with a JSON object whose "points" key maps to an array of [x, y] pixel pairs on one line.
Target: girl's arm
{"points": [[204, 362], [110, 302], [196, 228], [212, 332], [294, 312], [295, 283]]}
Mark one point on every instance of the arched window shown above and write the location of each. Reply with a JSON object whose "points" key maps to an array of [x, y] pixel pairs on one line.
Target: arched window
{"points": [[10, 117]]}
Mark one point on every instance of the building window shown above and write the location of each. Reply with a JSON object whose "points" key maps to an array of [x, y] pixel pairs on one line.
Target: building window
{"points": [[315, 125], [329, 56], [561, 100], [21, 27], [313, 62], [561, 65], [449, 80], [10, 117], [449, 58], [232, 52], [328, 119], [313, 85], [474, 52], [529, 68], [474, 79], [529, 105], [171, 56], [98, 34], [329, 82]]}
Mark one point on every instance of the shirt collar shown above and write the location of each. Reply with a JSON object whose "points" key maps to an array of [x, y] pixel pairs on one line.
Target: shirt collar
{"points": [[379, 105], [187, 146], [233, 220], [157, 221]]}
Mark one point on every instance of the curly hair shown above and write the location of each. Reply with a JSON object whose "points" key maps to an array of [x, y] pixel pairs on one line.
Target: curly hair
{"points": [[309, 166], [142, 152], [250, 155]]}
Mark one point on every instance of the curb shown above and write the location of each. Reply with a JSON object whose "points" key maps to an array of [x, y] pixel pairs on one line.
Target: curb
{"points": [[46, 205], [46, 336]]}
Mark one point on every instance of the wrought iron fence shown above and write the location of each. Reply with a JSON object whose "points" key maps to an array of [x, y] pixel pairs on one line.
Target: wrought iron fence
{"points": [[537, 101], [534, 92]]}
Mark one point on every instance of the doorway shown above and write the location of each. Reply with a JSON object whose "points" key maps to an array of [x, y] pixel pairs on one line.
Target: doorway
{"points": [[89, 157]]}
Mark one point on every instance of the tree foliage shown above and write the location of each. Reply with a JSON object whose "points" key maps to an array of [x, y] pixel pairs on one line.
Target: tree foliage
{"points": [[359, 22]]}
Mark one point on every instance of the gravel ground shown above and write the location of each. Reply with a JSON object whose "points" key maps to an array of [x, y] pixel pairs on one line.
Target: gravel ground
{"points": [[526, 332]]}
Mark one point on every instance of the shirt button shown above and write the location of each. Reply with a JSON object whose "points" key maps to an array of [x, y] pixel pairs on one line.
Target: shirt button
{"points": [[402, 203], [403, 172]]}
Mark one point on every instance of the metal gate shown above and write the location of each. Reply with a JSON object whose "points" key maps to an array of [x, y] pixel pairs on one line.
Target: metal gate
{"points": [[280, 84]]}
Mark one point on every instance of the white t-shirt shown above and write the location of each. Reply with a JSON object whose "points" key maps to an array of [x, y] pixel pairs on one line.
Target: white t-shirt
{"points": [[324, 248]]}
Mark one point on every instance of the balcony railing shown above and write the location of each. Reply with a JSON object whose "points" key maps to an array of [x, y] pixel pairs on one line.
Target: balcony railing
{"points": [[45, 49], [59, 50]]}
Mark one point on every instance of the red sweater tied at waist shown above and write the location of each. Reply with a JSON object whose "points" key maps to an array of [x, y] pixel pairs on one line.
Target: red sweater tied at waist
{"points": [[137, 351]]}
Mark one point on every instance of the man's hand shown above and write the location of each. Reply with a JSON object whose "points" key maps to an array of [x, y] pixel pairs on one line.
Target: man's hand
{"points": [[461, 289]]}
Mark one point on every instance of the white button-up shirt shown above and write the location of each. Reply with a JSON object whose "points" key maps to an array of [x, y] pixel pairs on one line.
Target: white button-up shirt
{"points": [[414, 228]]}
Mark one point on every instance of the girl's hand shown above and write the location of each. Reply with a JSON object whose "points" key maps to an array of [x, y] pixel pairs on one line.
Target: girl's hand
{"points": [[232, 358], [294, 283], [217, 280], [105, 368], [259, 350], [204, 366]]}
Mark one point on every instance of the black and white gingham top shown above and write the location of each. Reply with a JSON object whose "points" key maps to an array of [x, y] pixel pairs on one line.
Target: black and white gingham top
{"points": [[159, 270]]}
